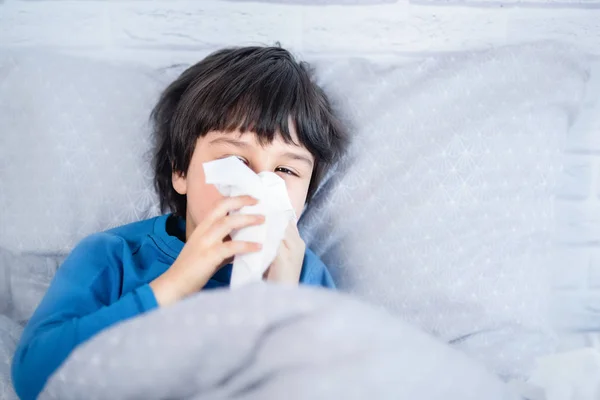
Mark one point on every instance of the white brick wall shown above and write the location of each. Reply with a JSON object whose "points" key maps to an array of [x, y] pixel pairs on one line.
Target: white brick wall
{"points": [[164, 32], [580, 199], [129, 28]]}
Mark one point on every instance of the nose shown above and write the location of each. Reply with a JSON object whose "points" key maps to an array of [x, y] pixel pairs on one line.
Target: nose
{"points": [[261, 164]]}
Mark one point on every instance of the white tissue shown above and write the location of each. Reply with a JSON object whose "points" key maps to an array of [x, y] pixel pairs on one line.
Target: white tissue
{"points": [[232, 177]]}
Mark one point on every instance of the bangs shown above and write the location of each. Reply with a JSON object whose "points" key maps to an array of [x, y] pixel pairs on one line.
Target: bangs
{"points": [[265, 107], [265, 97]]}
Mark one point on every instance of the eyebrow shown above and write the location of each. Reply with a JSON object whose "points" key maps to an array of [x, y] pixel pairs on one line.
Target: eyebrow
{"points": [[299, 157], [234, 142], [240, 143]]}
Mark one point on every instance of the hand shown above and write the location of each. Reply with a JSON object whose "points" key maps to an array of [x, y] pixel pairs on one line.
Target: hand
{"points": [[206, 249], [287, 266]]}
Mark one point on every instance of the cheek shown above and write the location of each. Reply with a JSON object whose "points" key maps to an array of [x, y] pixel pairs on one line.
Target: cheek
{"points": [[201, 198]]}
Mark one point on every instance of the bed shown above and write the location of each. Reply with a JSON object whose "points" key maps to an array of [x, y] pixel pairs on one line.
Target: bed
{"points": [[461, 228]]}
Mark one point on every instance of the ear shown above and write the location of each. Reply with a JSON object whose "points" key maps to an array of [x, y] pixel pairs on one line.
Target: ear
{"points": [[179, 182]]}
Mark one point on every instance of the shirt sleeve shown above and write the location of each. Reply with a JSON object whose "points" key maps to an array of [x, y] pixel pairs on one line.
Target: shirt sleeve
{"points": [[315, 272], [327, 279], [83, 299]]}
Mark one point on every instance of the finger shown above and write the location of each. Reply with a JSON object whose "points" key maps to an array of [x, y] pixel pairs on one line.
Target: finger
{"points": [[293, 241], [230, 249], [289, 237], [226, 206], [229, 223], [284, 247], [292, 233]]}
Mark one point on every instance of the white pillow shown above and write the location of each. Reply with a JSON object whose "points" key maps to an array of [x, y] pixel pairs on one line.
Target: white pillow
{"points": [[73, 148], [443, 210]]}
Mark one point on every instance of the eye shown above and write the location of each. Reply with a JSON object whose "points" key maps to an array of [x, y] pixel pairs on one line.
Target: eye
{"points": [[286, 171], [242, 159]]}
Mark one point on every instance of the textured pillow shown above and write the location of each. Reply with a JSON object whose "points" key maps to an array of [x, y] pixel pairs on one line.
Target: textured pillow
{"points": [[10, 332], [24, 279], [72, 149], [443, 210], [23, 282]]}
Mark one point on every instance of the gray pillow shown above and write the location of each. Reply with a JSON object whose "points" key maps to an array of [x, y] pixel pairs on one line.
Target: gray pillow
{"points": [[10, 332], [75, 140], [23, 282], [444, 209], [24, 279]]}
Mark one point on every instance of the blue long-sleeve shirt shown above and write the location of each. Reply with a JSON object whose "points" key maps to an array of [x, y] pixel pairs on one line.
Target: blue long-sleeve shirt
{"points": [[105, 280]]}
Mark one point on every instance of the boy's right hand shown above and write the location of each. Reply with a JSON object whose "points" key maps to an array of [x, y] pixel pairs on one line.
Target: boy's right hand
{"points": [[205, 250]]}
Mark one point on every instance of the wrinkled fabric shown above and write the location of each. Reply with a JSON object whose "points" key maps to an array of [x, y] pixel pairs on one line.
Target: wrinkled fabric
{"points": [[270, 342]]}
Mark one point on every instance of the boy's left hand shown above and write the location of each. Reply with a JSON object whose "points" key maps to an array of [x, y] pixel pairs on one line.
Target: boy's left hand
{"points": [[287, 266]]}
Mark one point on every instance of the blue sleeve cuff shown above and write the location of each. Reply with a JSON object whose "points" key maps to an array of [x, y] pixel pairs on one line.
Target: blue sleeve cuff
{"points": [[146, 299], [327, 280], [314, 272]]}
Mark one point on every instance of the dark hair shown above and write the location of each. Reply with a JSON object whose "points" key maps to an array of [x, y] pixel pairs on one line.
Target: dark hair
{"points": [[253, 89]]}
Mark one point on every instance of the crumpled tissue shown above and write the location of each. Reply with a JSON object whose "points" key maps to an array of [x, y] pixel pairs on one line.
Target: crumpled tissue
{"points": [[232, 177]]}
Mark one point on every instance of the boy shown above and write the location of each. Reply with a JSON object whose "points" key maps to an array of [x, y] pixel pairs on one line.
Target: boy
{"points": [[255, 103]]}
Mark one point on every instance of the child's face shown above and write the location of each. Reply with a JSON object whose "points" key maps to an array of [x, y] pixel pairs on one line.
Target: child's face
{"points": [[294, 164]]}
